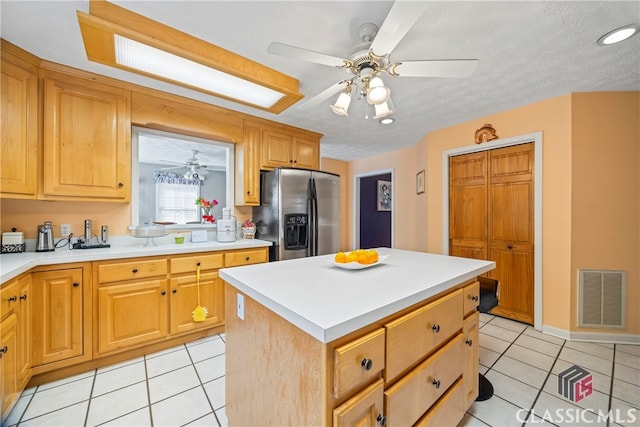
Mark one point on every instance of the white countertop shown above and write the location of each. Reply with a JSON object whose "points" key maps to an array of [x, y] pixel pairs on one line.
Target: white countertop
{"points": [[328, 302], [11, 265]]}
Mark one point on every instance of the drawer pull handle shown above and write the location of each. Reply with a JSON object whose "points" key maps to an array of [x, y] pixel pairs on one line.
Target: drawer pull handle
{"points": [[435, 328], [469, 342], [436, 383], [367, 364], [475, 298], [23, 297], [76, 284], [382, 420], [163, 293], [13, 299], [135, 270]]}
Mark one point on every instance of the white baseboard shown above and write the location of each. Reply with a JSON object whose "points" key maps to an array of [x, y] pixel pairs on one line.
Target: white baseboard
{"points": [[604, 337]]}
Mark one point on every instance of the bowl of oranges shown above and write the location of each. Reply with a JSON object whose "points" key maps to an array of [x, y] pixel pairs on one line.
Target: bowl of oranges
{"points": [[358, 259]]}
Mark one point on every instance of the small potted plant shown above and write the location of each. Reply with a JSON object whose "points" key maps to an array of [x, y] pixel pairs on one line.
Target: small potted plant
{"points": [[248, 229]]}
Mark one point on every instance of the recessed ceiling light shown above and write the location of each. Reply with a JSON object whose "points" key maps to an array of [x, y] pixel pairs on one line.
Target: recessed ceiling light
{"points": [[386, 120], [618, 35]]}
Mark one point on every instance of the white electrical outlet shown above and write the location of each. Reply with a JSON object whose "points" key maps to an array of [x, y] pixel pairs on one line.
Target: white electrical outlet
{"points": [[241, 306], [65, 230]]}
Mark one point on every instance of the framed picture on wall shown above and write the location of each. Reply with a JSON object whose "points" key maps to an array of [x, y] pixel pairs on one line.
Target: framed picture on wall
{"points": [[420, 182], [384, 195]]}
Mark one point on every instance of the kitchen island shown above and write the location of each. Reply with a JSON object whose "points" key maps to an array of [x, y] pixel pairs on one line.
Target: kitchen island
{"points": [[309, 343]]}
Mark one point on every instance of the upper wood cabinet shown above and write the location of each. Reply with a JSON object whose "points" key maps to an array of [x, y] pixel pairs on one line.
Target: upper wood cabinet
{"points": [[87, 140], [19, 106], [284, 149], [247, 180]]}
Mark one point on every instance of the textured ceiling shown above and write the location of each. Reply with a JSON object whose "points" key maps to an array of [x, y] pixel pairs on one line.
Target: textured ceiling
{"points": [[528, 51]]}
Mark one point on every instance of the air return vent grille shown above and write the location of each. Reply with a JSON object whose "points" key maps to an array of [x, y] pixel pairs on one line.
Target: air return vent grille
{"points": [[602, 295]]}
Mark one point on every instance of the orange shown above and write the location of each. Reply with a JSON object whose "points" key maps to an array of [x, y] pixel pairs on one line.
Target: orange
{"points": [[363, 258], [373, 254], [352, 257], [341, 257]]}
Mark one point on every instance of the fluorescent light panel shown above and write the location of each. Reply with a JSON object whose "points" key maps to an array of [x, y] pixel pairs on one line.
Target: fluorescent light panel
{"points": [[139, 56]]}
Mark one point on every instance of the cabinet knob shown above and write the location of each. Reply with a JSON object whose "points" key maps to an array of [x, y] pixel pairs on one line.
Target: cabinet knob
{"points": [[382, 420], [76, 284], [435, 328], [469, 342], [475, 298], [198, 264], [163, 293], [247, 258], [23, 297], [174, 291], [4, 349], [135, 270], [436, 383], [13, 299], [367, 364], [509, 247], [120, 185]]}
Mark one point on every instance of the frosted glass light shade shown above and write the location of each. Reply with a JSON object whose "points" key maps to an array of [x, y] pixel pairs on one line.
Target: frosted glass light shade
{"points": [[378, 92], [151, 60], [383, 110], [342, 104]]}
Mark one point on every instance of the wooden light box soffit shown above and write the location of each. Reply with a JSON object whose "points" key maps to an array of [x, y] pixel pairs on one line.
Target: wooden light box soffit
{"points": [[108, 28]]}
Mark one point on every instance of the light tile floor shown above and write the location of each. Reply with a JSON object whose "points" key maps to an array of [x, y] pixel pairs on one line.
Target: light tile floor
{"points": [[184, 385]]}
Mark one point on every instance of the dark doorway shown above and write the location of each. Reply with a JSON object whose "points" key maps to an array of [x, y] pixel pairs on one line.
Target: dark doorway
{"points": [[375, 219]]}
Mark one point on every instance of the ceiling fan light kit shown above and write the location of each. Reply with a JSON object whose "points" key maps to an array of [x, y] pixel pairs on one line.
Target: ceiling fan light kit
{"points": [[368, 60]]}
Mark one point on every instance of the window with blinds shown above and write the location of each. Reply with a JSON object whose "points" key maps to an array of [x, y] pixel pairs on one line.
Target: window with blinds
{"points": [[176, 203]]}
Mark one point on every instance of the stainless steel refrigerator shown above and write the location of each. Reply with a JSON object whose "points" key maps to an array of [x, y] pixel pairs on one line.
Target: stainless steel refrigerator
{"points": [[299, 212]]}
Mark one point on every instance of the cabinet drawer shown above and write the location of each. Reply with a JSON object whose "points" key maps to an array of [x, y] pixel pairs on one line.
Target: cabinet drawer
{"points": [[363, 409], [447, 411], [413, 336], [471, 295], [191, 263], [414, 394], [114, 272], [358, 361], [9, 294], [234, 259]]}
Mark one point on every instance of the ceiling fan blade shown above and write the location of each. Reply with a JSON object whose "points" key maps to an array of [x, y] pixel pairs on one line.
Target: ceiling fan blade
{"points": [[172, 167], [304, 54], [396, 25], [322, 96], [451, 68]]}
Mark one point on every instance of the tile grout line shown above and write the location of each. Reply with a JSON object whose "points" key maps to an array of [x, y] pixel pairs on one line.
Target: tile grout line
{"points": [[93, 384], [613, 371], [146, 380]]}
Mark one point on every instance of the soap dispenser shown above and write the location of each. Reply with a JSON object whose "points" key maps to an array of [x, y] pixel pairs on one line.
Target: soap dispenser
{"points": [[226, 227]]}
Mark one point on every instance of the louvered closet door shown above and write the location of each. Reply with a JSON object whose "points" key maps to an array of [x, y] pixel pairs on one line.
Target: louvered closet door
{"points": [[491, 217], [511, 229]]}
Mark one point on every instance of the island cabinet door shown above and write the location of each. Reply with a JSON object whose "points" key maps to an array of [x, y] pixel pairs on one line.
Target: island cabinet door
{"points": [[471, 334], [186, 295], [132, 314], [362, 410]]}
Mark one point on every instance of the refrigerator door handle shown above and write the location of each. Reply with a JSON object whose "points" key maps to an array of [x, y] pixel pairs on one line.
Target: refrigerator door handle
{"points": [[310, 203], [315, 219]]}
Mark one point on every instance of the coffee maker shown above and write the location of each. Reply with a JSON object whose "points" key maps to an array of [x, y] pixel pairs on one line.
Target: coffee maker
{"points": [[45, 237]]}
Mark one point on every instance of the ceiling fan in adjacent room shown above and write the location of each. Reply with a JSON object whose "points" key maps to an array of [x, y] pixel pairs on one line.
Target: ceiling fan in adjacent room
{"points": [[369, 60], [195, 170]]}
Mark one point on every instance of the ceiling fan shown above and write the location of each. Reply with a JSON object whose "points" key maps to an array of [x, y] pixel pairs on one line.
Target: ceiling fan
{"points": [[195, 169], [367, 61]]}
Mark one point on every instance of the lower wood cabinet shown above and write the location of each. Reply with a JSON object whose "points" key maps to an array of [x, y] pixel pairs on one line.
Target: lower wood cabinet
{"points": [[61, 332], [9, 389], [364, 409]]}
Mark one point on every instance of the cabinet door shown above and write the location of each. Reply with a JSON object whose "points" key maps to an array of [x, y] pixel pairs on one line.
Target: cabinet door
{"points": [[362, 410], [87, 134], [19, 130], [471, 332], [184, 299], [306, 153], [8, 361], [275, 150], [24, 331], [57, 315], [248, 167], [131, 314]]}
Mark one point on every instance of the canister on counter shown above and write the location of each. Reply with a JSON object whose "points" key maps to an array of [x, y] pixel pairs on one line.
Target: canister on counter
{"points": [[13, 242]]}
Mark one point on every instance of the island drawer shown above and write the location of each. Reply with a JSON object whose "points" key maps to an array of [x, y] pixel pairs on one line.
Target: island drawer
{"points": [[357, 362], [413, 394], [449, 410], [118, 271], [191, 263], [413, 336], [233, 259], [471, 297]]}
